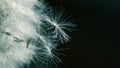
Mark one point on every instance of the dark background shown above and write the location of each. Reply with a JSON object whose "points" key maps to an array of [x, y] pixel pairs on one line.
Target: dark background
{"points": [[95, 43]]}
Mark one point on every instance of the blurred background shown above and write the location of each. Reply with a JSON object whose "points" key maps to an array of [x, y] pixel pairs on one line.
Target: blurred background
{"points": [[96, 41]]}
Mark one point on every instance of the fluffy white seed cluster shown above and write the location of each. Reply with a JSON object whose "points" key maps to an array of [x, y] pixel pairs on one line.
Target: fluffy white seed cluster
{"points": [[30, 31]]}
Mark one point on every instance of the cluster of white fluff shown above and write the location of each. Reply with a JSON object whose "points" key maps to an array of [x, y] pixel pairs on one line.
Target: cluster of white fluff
{"points": [[30, 31]]}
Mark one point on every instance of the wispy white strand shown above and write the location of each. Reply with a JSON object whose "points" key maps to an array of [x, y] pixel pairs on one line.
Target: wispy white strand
{"points": [[29, 33]]}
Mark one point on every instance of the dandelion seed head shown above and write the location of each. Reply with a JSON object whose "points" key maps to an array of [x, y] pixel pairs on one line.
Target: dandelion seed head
{"points": [[29, 33]]}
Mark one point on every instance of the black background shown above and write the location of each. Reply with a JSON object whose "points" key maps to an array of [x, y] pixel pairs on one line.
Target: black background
{"points": [[95, 43]]}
